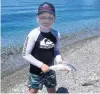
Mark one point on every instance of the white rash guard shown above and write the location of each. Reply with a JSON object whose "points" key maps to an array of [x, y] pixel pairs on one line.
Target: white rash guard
{"points": [[41, 47]]}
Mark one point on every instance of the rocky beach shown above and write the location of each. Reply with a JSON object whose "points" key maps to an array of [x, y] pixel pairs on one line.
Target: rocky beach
{"points": [[83, 54]]}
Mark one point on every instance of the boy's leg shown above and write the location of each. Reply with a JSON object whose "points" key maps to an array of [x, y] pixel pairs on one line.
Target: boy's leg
{"points": [[34, 83], [51, 90], [50, 82], [32, 91]]}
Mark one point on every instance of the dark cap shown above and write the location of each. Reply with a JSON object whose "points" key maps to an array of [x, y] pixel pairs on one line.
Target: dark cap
{"points": [[46, 7]]}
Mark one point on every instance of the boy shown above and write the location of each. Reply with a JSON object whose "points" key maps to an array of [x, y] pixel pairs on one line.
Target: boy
{"points": [[40, 49]]}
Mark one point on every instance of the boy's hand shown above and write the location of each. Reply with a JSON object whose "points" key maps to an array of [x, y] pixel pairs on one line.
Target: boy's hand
{"points": [[45, 68]]}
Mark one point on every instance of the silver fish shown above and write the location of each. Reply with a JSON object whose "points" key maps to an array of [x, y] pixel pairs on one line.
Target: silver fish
{"points": [[63, 67]]}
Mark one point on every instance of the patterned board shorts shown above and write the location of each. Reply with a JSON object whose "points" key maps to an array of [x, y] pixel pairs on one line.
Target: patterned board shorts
{"points": [[37, 81]]}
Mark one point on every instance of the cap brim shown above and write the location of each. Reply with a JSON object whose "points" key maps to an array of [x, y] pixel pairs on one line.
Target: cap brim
{"points": [[46, 11]]}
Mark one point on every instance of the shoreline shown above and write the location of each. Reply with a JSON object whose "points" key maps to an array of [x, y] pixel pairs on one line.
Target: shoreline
{"points": [[9, 50], [85, 58]]}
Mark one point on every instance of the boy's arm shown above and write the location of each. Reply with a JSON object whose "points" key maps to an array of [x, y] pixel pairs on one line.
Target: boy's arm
{"points": [[57, 52], [27, 49]]}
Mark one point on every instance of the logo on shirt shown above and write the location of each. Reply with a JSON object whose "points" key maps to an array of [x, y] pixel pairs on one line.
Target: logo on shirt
{"points": [[46, 43]]}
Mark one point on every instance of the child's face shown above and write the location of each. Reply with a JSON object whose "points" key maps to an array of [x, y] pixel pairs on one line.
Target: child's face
{"points": [[46, 20]]}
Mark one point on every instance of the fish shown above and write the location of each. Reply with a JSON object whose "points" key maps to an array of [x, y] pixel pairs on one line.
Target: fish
{"points": [[63, 67]]}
